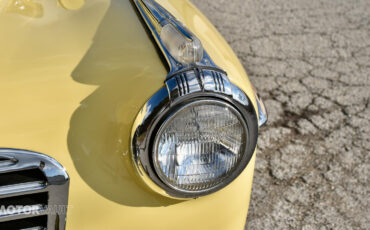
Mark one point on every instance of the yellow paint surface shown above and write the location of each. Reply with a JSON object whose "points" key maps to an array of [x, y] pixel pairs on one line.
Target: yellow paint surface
{"points": [[71, 85]]}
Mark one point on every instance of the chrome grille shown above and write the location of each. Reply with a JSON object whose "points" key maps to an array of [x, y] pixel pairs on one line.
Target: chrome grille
{"points": [[33, 191]]}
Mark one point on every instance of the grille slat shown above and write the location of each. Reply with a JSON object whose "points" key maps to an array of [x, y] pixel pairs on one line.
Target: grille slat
{"points": [[23, 188], [32, 223], [33, 191], [34, 228], [21, 182], [21, 213], [19, 207]]}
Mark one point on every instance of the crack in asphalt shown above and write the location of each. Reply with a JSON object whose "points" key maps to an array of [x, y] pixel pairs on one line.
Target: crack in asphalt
{"points": [[310, 61]]}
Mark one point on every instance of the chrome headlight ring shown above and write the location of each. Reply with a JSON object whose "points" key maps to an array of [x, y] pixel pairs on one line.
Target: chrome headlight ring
{"points": [[179, 91], [193, 77]]}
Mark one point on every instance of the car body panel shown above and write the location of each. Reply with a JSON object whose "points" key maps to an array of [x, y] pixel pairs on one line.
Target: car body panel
{"points": [[72, 83]]}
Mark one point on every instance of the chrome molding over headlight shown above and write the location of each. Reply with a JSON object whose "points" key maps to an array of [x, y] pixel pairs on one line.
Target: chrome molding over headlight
{"points": [[170, 34], [193, 78]]}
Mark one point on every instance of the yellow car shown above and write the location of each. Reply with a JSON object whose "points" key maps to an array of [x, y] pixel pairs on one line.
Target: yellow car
{"points": [[119, 114]]}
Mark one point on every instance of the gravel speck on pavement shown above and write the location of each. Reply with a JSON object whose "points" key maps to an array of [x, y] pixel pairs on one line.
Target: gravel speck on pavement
{"points": [[310, 61]]}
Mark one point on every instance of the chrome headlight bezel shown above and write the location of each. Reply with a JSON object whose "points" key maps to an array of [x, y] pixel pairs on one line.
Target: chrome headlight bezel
{"points": [[168, 100]]}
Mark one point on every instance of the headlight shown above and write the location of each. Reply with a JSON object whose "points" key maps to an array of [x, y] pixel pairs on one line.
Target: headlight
{"points": [[199, 145], [197, 133]]}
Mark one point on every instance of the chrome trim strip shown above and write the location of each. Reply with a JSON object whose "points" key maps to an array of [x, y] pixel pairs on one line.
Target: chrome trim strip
{"points": [[155, 16], [56, 184]]}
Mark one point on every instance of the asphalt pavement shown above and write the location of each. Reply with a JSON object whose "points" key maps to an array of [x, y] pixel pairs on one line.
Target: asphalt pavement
{"points": [[310, 61]]}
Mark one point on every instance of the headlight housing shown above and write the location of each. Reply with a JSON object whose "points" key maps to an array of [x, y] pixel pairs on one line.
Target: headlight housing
{"points": [[190, 145], [197, 133]]}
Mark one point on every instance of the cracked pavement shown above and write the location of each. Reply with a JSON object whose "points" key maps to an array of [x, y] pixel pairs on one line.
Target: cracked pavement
{"points": [[310, 61]]}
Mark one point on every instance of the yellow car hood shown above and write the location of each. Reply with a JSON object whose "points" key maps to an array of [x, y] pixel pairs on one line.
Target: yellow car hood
{"points": [[71, 85]]}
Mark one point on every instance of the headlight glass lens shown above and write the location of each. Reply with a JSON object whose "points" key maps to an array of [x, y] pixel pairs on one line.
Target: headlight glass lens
{"points": [[199, 146]]}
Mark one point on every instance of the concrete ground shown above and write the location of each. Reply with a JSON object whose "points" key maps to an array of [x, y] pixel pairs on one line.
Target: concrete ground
{"points": [[310, 61]]}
